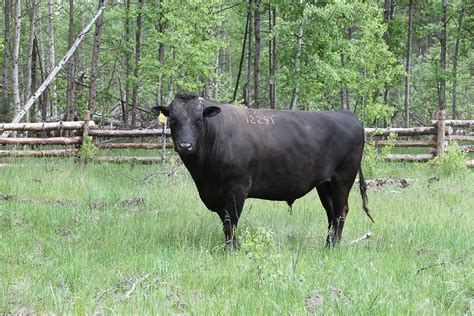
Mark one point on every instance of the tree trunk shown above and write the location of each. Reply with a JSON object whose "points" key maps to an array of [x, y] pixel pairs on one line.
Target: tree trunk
{"points": [[41, 61], [408, 65], [127, 65], [442, 83], [136, 71], [242, 56], [256, 63], [442, 59], [455, 64], [6, 56], [43, 98], [386, 16], [216, 83], [343, 90], [52, 58], [15, 58], [248, 74], [272, 56], [95, 61], [159, 86], [294, 97], [71, 68], [161, 60], [34, 55], [31, 54]]}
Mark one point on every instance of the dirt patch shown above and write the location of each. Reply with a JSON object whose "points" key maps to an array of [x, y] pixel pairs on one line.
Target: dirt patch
{"points": [[98, 205], [338, 294], [6, 197], [133, 202], [380, 183], [313, 303]]}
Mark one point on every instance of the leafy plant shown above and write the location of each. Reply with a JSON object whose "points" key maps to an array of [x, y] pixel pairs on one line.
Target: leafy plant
{"points": [[88, 150], [256, 242], [373, 161], [452, 162]]}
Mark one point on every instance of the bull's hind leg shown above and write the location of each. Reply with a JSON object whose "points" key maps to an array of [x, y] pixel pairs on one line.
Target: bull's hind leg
{"points": [[340, 189], [325, 195]]}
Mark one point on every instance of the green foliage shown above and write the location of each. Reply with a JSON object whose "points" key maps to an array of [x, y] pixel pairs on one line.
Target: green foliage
{"points": [[452, 162], [256, 242], [369, 160], [203, 44], [373, 162], [88, 150]]}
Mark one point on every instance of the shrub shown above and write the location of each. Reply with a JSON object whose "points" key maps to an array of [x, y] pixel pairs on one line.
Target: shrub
{"points": [[452, 162], [373, 162], [88, 150]]}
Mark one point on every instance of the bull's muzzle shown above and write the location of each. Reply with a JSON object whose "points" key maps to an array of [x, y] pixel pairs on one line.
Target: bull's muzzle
{"points": [[184, 147]]}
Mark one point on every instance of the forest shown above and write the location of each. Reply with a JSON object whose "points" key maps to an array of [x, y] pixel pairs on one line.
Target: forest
{"points": [[393, 63]]}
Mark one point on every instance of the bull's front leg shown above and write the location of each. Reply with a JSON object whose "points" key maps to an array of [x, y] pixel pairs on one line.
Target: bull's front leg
{"points": [[234, 203]]}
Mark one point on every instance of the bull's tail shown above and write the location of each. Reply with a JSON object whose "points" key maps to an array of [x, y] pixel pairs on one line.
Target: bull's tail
{"points": [[363, 193]]}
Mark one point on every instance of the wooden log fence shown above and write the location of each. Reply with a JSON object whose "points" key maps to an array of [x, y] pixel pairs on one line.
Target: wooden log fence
{"points": [[128, 133], [133, 145], [75, 140], [39, 127], [136, 160], [39, 153], [436, 138], [409, 158]]}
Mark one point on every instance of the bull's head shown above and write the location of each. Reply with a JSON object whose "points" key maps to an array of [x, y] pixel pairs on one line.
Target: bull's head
{"points": [[186, 115]]}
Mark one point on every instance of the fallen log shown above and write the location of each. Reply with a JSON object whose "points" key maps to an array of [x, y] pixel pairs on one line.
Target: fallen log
{"points": [[414, 131], [133, 145], [128, 133], [455, 123], [39, 153], [41, 141], [133, 160], [462, 138], [406, 143], [467, 148], [38, 127], [409, 157]]}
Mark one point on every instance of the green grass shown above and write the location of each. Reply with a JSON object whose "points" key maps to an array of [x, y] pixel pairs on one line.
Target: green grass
{"points": [[130, 239]]}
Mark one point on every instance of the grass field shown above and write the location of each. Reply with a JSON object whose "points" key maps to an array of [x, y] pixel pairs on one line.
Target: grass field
{"points": [[137, 239]]}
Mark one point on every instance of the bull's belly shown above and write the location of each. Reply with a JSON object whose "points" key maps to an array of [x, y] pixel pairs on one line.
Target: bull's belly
{"points": [[288, 188]]}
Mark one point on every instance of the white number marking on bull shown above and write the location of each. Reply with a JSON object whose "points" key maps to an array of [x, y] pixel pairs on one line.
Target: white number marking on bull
{"points": [[260, 120]]}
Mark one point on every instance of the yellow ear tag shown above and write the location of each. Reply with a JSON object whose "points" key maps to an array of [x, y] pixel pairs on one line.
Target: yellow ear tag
{"points": [[162, 118]]}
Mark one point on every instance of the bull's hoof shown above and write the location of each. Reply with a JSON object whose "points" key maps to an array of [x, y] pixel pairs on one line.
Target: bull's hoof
{"points": [[231, 245], [331, 241]]}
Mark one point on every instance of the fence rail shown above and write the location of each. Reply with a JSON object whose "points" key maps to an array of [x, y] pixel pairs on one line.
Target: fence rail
{"points": [[432, 138]]}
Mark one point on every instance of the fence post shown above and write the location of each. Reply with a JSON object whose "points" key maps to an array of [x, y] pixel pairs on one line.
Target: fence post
{"points": [[163, 119], [85, 127], [440, 148]]}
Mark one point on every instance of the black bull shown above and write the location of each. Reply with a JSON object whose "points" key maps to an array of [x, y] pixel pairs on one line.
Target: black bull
{"points": [[237, 153]]}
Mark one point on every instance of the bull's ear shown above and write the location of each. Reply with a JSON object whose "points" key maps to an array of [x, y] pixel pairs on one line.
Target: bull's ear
{"points": [[160, 109], [210, 111]]}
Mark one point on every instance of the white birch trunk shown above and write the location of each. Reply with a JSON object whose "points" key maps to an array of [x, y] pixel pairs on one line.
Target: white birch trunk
{"points": [[15, 56], [294, 97], [52, 57]]}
